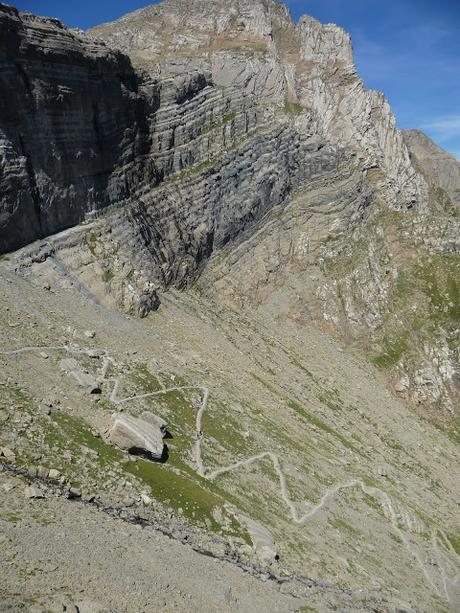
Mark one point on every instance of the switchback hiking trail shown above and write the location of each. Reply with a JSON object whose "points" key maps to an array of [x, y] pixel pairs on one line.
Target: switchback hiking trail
{"points": [[449, 584]]}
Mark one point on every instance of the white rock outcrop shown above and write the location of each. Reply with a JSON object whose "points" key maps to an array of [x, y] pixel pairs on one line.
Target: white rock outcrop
{"points": [[155, 420], [131, 433]]}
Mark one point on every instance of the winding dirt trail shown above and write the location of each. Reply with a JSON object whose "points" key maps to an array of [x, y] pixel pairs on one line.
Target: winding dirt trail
{"points": [[448, 584], [450, 578]]}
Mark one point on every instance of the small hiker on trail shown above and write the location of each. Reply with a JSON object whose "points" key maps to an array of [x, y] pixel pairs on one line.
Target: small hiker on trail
{"points": [[199, 434]]}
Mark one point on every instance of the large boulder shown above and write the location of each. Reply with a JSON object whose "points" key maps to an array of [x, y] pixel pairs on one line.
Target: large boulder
{"points": [[84, 379], [155, 420], [262, 540], [134, 434]]}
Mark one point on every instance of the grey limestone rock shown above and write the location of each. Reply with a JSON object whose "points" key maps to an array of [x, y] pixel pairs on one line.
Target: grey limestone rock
{"points": [[131, 433], [6, 452], [70, 114], [85, 380], [32, 491], [256, 45], [155, 420]]}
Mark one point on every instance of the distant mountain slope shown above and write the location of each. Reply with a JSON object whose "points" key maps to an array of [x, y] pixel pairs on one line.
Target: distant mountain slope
{"points": [[439, 167]]}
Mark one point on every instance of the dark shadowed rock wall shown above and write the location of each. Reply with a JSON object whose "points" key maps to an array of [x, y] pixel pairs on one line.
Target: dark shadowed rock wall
{"points": [[70, 115]]}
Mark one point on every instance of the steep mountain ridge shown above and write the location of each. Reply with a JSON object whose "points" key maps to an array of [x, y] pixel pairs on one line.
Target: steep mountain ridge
{"points": [[120, 153], [244, 109], [257, 46]]}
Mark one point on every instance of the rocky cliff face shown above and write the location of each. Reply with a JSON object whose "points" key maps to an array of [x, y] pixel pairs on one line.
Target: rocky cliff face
{"points": [[70, 114], [306, 67], [205, 144], [340, 253]]}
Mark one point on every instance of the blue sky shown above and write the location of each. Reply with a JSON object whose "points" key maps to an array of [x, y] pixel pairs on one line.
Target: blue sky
{"points": [[409, 49]]}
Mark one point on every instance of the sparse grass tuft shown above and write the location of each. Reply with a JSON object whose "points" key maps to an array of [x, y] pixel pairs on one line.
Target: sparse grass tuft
{"points": [[193, 170], [91, 241], [229, 117], [320, 424], [454, 539], [293, 108], [393, 350]]}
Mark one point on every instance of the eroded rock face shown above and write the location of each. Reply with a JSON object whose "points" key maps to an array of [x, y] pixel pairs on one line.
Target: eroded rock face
{"points": [[70, 115], [155, 420], [306, 66], [229, 135], [220, 160]]}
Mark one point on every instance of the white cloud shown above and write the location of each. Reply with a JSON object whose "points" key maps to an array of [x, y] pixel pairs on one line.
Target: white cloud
{"points": [[445, 127]]}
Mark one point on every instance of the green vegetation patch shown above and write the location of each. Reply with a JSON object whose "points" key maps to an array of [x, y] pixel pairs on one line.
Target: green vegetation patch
{"points": [[298, 364], [178, 491], [372, 501], [321, 425], [423, 296], [193, 170], [393, 350], [91, 241], [266, 384], [293, 108], [220, 423], [71, 432], [343, 526], [142, 378], [229, 117], [442, 198], [440, 282], [451, 429], [331, 399], [454, 539], [438, 279]]}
